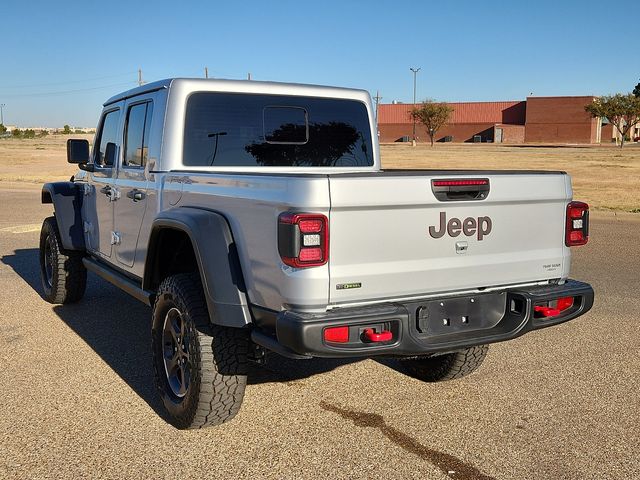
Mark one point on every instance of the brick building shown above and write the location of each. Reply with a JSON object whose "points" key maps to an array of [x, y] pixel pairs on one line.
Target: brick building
{"points": [[535, 120], [560, 120]]}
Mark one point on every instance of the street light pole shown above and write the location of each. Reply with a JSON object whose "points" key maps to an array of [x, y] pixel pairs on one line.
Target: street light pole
{"points": [[2, 105], [415, 73]]}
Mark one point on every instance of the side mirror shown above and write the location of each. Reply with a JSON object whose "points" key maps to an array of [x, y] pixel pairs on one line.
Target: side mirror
{"points": [[77, 151]]}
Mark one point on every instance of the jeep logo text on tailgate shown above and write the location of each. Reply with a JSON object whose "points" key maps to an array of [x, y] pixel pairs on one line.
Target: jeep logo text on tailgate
{"points": [[469, 226]]}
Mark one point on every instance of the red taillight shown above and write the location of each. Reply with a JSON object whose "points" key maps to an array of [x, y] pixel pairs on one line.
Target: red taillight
{"points": [[303, 239], [310, 255], [311, 225], [336, 334], [577, 227]]}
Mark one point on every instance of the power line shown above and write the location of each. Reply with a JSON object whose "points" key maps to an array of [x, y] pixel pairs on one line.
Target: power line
{"points": [[118, 75], [66, 92]]}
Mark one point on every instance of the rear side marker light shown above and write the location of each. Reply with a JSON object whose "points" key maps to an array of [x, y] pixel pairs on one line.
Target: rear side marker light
{"points": [[336, 334], [303, 239], [577, 226]]}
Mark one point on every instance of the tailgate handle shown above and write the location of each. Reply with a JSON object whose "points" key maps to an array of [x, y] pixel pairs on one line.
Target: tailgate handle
{"points": [[460, 189], [372, 336]]}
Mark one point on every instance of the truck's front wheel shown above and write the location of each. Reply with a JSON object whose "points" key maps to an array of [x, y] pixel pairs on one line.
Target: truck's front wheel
{"points": [[63, 275], [446, 367], [200, 368]]}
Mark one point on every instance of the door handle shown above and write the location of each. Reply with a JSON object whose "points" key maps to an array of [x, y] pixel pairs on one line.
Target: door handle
{"points": [[112, 193], [135, 195]]}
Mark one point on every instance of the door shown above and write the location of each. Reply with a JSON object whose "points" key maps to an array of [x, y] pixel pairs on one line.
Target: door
{"points": [[132, 180], [101, 193]]}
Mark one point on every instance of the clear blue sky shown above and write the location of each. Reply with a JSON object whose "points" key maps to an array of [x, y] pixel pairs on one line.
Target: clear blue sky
{"points": [[60, 60]]}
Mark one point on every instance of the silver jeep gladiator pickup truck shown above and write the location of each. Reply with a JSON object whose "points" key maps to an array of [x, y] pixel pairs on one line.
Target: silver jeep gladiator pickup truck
{"points": [[254, 216]]}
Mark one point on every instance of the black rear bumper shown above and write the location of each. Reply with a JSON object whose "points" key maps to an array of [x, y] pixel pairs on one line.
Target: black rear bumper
{"points": [[423, 327]]}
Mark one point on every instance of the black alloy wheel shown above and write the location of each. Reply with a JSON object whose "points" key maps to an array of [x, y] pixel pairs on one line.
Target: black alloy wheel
{"points": [[177, 358]]}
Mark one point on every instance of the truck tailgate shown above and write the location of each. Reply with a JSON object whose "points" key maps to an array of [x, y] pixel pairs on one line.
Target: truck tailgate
{"points": [[392, 237]]}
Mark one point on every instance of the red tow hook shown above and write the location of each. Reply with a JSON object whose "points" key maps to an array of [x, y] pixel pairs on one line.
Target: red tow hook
{"points": [[547, 311], [372, 336]]}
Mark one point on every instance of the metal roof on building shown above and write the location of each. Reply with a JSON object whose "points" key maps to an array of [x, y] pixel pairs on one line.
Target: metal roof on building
{"points": [[512, 112]]}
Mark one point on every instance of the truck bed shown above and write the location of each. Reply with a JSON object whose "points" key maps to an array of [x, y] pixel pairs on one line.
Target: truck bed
{"points": [[380, 247]]}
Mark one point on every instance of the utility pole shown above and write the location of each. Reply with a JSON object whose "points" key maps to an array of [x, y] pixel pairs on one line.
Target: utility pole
{"points": [[2, 105], [377, 99], [206, 72], [415, 74], [140, 81]]}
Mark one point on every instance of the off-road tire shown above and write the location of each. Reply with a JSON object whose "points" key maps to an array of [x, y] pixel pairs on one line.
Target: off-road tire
{"points": [[446, 367], [64, 278], [216, 368]]}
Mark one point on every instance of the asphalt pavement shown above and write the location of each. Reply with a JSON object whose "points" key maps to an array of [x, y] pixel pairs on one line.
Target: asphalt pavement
{"points": [[78, 399]]}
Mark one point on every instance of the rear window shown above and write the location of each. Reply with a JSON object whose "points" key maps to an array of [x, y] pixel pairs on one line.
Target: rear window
{"points": [[246, 130]]}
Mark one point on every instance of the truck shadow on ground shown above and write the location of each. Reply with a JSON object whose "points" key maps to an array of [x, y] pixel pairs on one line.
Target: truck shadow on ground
{"points": [[118, 328]]}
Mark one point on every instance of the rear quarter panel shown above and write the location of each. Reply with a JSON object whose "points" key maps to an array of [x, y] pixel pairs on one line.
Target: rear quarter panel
{"points": [[251, 205]]}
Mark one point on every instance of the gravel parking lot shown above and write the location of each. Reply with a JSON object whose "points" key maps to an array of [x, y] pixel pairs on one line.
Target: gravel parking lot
{"points": [[79, 400]]}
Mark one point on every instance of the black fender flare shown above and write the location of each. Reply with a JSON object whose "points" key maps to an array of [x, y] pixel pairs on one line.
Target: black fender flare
{"points": [[217, 259], [66, 198]]}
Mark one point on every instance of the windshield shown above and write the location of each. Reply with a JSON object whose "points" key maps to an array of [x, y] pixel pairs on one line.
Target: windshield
{"points": [[248, 130]]}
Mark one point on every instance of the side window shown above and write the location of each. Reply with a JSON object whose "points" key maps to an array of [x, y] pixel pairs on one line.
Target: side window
{"points": [[137, 134], [106, 152]]}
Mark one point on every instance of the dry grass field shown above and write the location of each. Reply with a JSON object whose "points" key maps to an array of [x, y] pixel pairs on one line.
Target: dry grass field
{"points": [[606, 177], [36, 160]]}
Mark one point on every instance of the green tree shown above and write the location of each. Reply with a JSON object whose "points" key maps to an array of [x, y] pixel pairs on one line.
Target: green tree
{"points": [[3, 129], [433, 115], [44, 133], [66, 130], [29, 133], [636, 91], [623, 111], [16, 132]]}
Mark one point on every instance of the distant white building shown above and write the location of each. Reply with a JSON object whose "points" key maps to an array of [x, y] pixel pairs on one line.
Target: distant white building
{"points": [[51, 130]]}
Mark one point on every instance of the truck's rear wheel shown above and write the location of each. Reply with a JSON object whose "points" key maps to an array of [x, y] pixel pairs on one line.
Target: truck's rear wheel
{"points": [[63, 275], [200, 368], [446, 367]]}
